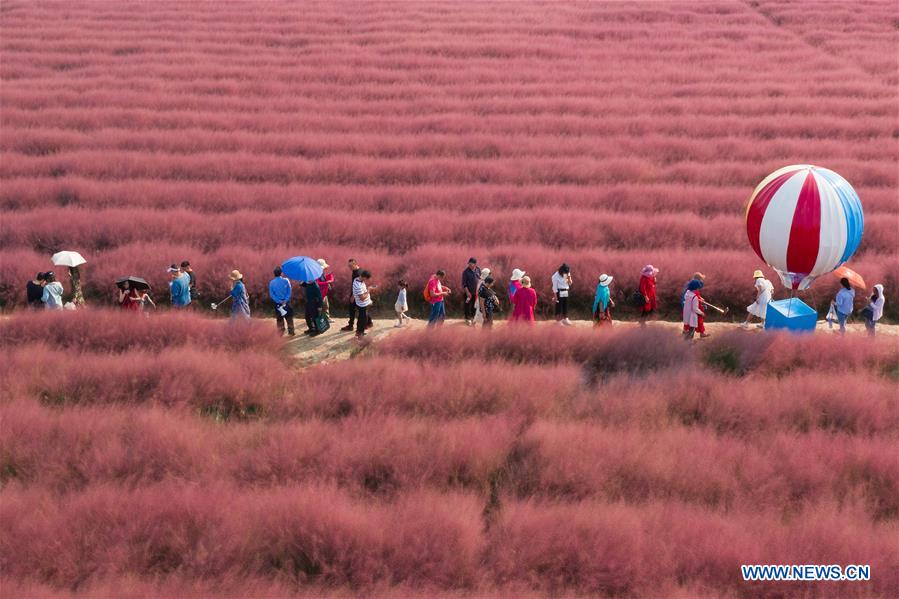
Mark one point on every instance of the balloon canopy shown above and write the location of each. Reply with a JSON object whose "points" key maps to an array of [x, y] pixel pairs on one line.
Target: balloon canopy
{"points": [[804, 221]]}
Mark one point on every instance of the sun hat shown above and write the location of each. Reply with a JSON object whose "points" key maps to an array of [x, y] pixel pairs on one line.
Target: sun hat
{"points": [[485, 272], [758, 275], [525, 282], [605, 280], [649, 271], [699, 276], [322, 263], [235, 275], [517, 273]]}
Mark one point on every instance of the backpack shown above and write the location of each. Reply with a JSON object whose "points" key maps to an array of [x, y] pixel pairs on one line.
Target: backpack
{"points": [[637, 299], [427, 292]]}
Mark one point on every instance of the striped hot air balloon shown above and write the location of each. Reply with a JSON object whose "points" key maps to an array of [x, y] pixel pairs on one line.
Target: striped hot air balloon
{"points": [[804, 221]]}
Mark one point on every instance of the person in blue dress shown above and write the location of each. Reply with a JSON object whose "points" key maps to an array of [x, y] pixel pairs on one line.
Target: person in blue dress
{"points": [[240, 301]]}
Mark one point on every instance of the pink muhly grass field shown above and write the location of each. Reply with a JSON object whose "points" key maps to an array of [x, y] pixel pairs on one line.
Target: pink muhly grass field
{"points": [[527, 461]]}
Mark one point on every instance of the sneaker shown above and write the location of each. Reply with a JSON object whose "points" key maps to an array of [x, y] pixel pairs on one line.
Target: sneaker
{"points": [[348, 327], [567, 322], [308, 332], [360, 335], [744, 325], [397, 325], [760, 326], [291, 334]]}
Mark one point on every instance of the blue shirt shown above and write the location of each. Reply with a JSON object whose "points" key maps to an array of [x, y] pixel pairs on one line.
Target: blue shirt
{"points": [[602, 298], [279, 290], [181, 290], [845, 299]]}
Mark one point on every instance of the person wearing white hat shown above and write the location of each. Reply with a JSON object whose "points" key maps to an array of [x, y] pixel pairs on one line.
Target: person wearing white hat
{"points": [[602, 302], [325, 283], [759, 308], [515, 282], [478, 312]]}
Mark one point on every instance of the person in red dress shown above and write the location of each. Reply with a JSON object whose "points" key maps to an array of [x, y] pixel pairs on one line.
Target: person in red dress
{"points": [[524, 300], [129, 297], [648, 291]]}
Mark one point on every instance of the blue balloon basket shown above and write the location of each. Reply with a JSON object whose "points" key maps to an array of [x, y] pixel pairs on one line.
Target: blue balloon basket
{"points": [[791, 315]]}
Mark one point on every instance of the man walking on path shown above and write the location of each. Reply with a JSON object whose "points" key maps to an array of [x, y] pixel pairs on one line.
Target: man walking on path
{"points": [[279, 290], [436, 292], [192, 286], [355, 270], [471, 280]]}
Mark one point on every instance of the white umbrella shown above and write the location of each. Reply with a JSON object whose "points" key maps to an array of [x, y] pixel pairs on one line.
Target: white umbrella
{"points": [[70, 259]]}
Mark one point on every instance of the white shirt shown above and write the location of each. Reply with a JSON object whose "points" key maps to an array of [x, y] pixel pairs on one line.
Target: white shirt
{"points": [[359, 289], [52, 296], [560, 282]]}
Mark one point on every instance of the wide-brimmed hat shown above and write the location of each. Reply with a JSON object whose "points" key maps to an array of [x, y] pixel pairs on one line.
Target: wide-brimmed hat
{"points": [[322, 263], [485, 272], [758, 275], [605, 280], [698, 276], [649, 271], [517, 273], [525, 282], [235, 275]]}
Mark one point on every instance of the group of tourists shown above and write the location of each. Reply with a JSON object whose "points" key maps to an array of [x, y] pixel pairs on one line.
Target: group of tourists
{"points": [[480, 300]]}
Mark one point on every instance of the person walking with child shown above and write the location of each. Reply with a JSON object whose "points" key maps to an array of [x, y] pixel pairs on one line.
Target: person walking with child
{"points": [[436, 293], [279, 290], [471, 281], [602, 302], [525, 301], [402, 304], [561, 282], [362, 297], [488, 302]]}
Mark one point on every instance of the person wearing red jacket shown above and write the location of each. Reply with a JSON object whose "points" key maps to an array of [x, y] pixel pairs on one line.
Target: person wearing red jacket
{"points": [[648, 291]]}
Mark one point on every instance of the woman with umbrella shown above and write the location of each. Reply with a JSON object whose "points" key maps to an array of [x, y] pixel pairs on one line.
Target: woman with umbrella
{"points": [[133, 293], [72, 260]]}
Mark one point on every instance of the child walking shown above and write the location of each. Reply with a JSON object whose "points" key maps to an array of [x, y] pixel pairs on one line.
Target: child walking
{"points": [[401, 305]]}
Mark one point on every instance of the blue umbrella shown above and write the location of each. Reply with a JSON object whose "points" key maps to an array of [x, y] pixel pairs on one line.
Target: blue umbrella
{"points": [[302, 268]]}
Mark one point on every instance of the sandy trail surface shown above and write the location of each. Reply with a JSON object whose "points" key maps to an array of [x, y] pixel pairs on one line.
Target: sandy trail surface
{"points": [[339, 345]]}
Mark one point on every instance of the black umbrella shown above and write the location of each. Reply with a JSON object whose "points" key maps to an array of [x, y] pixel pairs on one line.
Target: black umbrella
{"points": [[134, 282]]}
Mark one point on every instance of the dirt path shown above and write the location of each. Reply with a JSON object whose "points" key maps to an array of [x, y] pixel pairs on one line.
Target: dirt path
{"points": [[339, 345]]}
